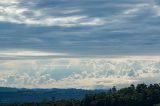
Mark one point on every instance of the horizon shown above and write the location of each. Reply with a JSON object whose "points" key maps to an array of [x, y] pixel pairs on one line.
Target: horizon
{"points": [[85, 44]]}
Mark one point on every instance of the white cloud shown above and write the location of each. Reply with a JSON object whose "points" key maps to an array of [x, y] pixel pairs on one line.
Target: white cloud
{"points": [[8, 2], [79, 73], [150, 6], [137, 8], [14, 12], [27, 53], [155, 7]]}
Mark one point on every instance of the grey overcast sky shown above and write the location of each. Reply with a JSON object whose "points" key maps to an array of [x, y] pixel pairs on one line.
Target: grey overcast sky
{"points": [[80, 27]]}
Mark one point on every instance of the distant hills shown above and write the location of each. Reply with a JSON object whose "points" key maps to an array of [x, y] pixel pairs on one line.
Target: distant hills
{"points": [[139, 95], [15, 95]]}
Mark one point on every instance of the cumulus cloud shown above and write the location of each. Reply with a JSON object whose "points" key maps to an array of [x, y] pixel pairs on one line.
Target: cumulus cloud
{"points": [[83, 73]]}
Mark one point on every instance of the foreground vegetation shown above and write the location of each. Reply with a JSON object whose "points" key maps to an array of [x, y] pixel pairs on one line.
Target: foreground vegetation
{"points": [[140, 95]]}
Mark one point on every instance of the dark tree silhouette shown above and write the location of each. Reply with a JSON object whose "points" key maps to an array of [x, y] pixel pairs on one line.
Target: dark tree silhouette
{"points": [[140, 95]]}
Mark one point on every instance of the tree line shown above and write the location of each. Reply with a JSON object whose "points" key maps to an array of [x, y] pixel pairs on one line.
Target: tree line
{"points": [[140, 95]]}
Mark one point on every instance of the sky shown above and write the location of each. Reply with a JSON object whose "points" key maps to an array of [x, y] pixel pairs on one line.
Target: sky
{"points": [[88, 44]]}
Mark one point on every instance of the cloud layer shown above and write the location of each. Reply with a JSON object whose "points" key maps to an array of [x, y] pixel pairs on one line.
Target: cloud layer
{"points": [[79, 73], [82, 44], [17, 12], [81, 28]]}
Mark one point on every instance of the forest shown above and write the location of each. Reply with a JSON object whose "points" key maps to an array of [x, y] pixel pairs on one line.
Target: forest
{"points": [[139, 95]]}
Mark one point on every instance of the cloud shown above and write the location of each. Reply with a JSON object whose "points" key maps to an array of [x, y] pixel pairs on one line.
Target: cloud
{"points": [[27, 53], [83, 73], [156, 7], [15, 12], [65, 26], [82, 44]]}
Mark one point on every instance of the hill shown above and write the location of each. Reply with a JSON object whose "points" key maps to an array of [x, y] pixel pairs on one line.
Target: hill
{"points": [[15, 95], [140, 95]]}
